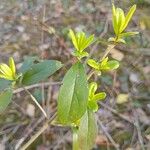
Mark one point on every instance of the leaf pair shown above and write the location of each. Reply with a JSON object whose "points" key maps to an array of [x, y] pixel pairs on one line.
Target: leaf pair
{"points": [[104, 64], [80, 42], [8, 72], [93, 98]]}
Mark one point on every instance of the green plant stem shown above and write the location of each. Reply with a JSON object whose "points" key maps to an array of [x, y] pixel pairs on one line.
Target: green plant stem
{"points": [[36, 102], [109, 48], [75, 138], [90, 74]]}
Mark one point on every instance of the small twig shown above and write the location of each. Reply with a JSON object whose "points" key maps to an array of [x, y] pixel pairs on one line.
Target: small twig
{"points": [[41, 130], [33, 138], [35, 86], [90, 74], [30, 130], [108, 135], [36, 102], [109, 48], [138, 130]]}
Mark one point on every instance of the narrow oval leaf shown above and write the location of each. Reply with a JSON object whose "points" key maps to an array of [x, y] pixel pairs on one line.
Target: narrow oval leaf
{"points": [[126, 34], [12, 66], [92, 89], [74, 39], [113, 64], [5, 70], [129, 16], [121, 20], [73, 95], [114, 20], [40, 71], [5, 99], [99, 96], [88, 41], [93, 64], [104, 61], [87, 131]]}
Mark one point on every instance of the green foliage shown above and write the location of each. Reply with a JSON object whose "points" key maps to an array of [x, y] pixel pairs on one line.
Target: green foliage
{"points": [[40, 71], [93, 98], [27, 64], [68, 102], [5, 99], [80, 42], [87, 131], [120, 23], [8, 72], [77, 100], [103, 65], [73, 95], [127, 34], [30, 73]]}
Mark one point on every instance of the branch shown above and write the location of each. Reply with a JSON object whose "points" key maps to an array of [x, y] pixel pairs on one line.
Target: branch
{"points": [[41, 130], [36, 85], [36, 102]]}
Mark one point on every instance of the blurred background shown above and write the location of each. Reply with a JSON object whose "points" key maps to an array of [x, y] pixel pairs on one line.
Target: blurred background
{"points": [[40, 28]]}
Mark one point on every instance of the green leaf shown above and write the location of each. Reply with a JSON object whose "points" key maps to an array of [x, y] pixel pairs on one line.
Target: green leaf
{"points": [[5, 72], [104, 61], [28, 62], [5, 99], [92, 89], [121, 20], [129, 16], [87, 131], [80, 41], [74, 39], [93, 105], [99, 96], [40, 71], [87, 42], [126, 34], [73, 95], [113, 64], [12, 66], [93, 64], [114, 19], [4, 84]]}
